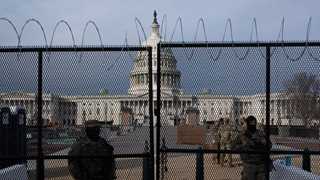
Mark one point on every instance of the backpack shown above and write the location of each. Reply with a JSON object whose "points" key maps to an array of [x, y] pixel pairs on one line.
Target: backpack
{"points": [[95, 168]]}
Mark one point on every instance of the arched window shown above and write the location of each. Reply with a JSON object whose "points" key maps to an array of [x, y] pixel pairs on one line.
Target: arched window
{"points": [[142, 79]]}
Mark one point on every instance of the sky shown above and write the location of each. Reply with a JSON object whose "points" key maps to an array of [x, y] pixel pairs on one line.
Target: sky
{"points": [[115, 18]]}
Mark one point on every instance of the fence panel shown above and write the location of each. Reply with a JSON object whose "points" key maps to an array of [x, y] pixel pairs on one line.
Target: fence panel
{"points": [[18, 88], [210, 87], [108, 84], [294, 103], [231, 81]]}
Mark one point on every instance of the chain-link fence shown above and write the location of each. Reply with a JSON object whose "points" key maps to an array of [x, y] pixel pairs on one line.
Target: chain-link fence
{"points": [[204, 93], [207, 91], [68, 87]]}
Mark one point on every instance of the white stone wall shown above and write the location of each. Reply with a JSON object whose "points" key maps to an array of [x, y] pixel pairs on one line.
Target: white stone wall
{"points": [[64, 110], [54, 110]]}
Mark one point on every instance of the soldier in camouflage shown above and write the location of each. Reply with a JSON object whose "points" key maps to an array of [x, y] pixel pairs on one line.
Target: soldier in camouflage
{"points": [[253, 139], [227, 138], [242, 125], [92, 145], [217, 137]]}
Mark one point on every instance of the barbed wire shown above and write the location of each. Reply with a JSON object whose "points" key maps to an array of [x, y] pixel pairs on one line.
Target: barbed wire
{"points": [[179, 20], [12, 25], [23, 28], [15, 30], [124, 46], [227, 25], [308, 33], [139, 24], [38, 23], [304, 48], [254, 31], [84, 33], [70, 31], [164, 21], [142, 38]]}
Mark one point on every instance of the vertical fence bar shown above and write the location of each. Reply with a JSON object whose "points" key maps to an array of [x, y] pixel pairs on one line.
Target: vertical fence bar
{"points": [[158, 112], [149, 49], [267, 129], [199, 165], [146, 164], [306, 161], [40, 161]]}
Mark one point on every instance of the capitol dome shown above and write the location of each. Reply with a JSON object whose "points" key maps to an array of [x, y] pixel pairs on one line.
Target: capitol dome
{"points": [[170, 76]]}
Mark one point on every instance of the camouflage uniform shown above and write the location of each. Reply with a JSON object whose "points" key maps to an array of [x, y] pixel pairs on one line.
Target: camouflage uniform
{"points": [[253, 164], [92, 168], [217, 139], [227, 138], [260, 126], [242, 126]]}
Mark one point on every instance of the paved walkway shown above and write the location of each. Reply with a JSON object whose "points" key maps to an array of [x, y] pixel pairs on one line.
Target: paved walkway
{"points": [[179, 167]]}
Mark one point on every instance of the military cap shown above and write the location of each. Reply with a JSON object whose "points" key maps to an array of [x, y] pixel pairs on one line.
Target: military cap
{"points": [[251, 120], [92, 123]]}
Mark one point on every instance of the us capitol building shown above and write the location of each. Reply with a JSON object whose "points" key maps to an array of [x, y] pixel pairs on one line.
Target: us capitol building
{"points": [[75, 110]]}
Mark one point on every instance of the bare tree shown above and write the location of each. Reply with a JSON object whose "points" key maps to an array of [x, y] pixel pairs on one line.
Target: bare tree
{"points": [[303, 94], [104, 92]]}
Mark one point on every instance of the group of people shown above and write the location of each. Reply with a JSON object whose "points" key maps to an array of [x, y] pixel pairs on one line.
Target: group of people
{"points": [[243, 136]]}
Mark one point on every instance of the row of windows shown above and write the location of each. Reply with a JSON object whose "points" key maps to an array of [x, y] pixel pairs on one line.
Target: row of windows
{"points": [[165, 79], [98, 111], [22, 102], [98, 104], [90, 104], [64, 112], [69, 121], [164, 63]]}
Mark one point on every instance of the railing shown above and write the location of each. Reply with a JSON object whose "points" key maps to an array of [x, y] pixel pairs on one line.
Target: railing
{"points": [[255, 83], [44, 67], [237, 64]]}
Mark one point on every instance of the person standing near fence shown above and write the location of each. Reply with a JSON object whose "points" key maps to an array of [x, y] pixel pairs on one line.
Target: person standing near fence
{"points": [[242, 125], [252, 139], [217, 138], [92, 145], [227, 137]]}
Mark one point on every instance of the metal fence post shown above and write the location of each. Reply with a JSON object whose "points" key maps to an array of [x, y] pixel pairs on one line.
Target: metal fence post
{"points": [[163, 158], [151, 107], [268, 91], [40, 160], [158, 107], [146, 163], [218, 154], [306, 163], [199, 165]]}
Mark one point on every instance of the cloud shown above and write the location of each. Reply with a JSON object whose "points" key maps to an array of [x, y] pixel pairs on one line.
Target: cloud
{"points": [[114, 17]]}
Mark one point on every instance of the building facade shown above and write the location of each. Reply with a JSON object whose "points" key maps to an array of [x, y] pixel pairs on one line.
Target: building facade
{"points": [[75, 110], [55, 110]]}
